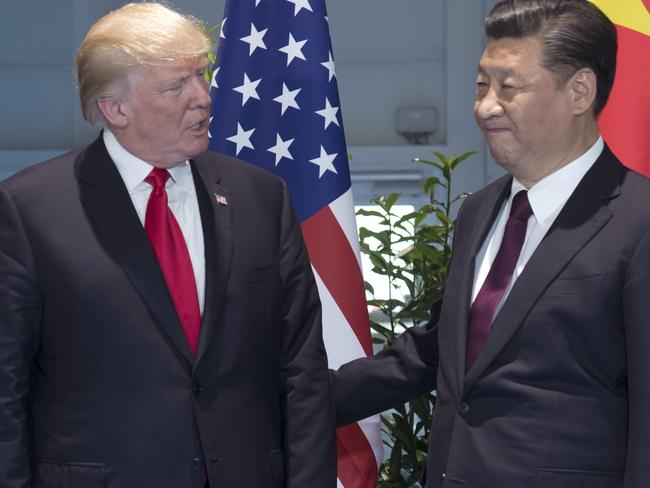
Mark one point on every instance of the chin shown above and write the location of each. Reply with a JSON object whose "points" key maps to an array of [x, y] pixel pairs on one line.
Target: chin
{"points": [[502, 159], [198, 148]]}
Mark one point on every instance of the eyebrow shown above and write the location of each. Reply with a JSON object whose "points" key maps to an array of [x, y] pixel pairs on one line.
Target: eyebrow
{"points": [[504, 72], [184, 77]]}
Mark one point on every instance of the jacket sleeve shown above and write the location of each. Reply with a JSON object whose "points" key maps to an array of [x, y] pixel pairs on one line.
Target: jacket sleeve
{"points": [[400, 373], [636, 315], [405, 370], [309, 432], [20, 315]]}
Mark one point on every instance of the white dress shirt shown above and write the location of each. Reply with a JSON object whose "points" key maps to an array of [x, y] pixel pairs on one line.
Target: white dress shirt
{"points": [[547, 198], [181, 197]]}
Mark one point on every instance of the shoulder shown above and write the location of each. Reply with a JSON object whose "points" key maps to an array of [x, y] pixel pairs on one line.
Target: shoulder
{"points": [[634, 199], [490, 193], [629, 189], [51, 176], [241, 177], [229, 168], [636, 184]]}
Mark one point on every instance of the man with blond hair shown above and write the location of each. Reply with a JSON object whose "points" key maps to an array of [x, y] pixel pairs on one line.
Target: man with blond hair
{"points": [[159, 321]]}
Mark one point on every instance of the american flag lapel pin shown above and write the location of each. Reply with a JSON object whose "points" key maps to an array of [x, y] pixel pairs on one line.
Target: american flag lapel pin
{"points": [[221, 200]]}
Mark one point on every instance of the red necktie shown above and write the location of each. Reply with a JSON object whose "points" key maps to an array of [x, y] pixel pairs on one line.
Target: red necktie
{"points": [[498, 278], [169, 245]]}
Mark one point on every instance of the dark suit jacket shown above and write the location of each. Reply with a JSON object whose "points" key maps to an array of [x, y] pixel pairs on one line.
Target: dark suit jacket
{"points": [[98, 387], [560, 395]]}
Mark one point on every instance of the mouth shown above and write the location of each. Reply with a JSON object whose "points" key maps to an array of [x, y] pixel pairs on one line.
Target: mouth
{"points": [[495, 129], [201, 126]]}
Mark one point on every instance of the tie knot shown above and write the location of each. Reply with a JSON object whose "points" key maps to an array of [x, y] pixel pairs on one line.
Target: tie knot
{"points": [[521, 208], [158, 177]]}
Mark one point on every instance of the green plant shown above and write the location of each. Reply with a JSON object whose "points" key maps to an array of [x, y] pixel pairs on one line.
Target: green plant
{"points": [[212, 57], [412, 252]]}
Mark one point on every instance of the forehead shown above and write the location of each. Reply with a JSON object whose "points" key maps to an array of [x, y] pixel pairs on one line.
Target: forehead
{"points": [[511, 55], [169, 71]]}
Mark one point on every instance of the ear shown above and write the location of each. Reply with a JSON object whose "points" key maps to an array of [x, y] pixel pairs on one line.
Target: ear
{"points": [[583, 86], [114, 111]]}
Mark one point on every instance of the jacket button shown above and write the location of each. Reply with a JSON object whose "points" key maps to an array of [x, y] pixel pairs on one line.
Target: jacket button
{"points": [[462, 407], [197, 464], [198, 388]]}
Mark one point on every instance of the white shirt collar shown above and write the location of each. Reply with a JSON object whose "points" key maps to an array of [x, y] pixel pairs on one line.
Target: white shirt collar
{"points": [[550, 193], [134, 170]]}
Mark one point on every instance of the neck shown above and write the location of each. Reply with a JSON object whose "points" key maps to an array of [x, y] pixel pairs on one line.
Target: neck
{"points": [[576, 147], [140, 150]]}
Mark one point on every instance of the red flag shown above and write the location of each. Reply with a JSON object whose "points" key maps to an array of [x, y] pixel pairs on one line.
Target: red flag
{"points": [[625, 121]]}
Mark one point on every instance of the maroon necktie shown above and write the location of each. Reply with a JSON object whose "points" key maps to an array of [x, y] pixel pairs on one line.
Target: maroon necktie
{"points": [[169, 245], [497, 281]]}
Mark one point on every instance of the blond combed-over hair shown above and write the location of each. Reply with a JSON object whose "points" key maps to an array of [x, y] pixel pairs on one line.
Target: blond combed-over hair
{"points": [[137, 34]]}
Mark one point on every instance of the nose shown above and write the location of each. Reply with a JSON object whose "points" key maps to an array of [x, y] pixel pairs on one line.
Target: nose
{"points": [[201, 92], [488, 106]]}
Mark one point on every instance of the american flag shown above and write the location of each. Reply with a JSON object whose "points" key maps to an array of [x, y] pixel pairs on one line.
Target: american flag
{"points": [[275, 104]]}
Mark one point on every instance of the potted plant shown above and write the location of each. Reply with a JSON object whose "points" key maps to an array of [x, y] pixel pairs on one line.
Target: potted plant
{"points": [[412, 252]]}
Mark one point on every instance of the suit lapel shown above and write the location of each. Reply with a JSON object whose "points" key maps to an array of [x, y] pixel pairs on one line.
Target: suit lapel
{"points": [[582, 217], [479, 221], [214, 202], [111, 212]]}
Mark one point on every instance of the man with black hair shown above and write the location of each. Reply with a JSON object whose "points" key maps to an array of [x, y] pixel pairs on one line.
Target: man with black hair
{"points": [[539, 347]]}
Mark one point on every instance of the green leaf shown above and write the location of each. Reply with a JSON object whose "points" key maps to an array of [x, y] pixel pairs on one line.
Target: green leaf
{"points": [[379, 328], [395, 466], [390, 200], [368, 287], [461, 158], [378, 262], [214, 27], [430, 184], [369, 213]]}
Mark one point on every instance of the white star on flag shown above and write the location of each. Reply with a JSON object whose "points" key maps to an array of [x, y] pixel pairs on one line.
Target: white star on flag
{"points": [[324, 162], [257, 2], [294, 49], [214, 77], [299, 5], [248, 90], [242, 138], [331, 68], [288, 98], [223, 23], [281, 149], [329, 114], [255, 39]]}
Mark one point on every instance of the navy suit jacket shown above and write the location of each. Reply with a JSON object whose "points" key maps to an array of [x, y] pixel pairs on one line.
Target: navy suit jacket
{"points": [[98, 387], [559, 396]]}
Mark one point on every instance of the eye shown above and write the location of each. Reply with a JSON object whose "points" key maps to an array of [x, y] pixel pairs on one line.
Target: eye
{"points": [[176, 87], [510, 85]]}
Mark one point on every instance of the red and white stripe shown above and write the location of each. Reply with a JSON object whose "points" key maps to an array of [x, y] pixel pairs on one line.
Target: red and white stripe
{"points": [[333, 244]]}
